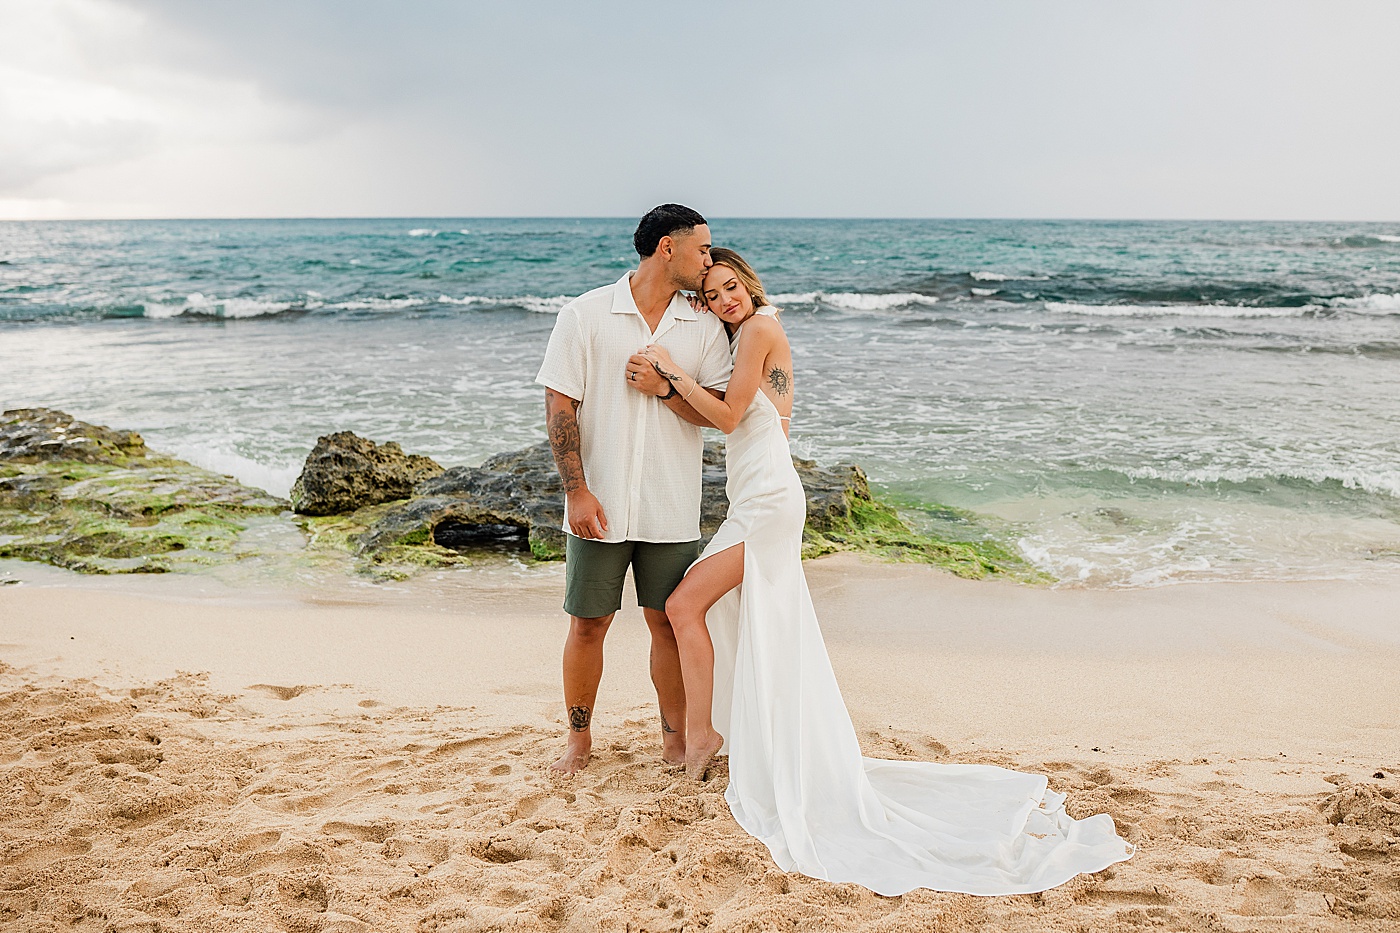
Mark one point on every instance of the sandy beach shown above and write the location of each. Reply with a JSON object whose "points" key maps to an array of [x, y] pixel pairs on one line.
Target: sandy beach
{"points": [[182, 755]]}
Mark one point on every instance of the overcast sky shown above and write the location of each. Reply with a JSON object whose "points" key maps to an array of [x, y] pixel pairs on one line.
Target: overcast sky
{"points": [[978, 108]]}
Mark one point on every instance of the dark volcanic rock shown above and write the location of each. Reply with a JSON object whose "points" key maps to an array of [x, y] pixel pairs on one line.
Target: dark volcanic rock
{"points": [[37, 435], [345, 472], [830, 493], [519, 494]]}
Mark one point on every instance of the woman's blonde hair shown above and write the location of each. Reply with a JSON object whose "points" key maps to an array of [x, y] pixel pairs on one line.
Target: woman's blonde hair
{"points": [[744, 272]]}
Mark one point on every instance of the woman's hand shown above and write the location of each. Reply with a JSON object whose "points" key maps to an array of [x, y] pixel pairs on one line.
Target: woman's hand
{"points": [[666, 367], [661, 359]]}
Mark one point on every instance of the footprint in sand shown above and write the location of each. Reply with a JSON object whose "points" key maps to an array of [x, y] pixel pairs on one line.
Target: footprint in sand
{"points": [[283, 693], [363, 832], [1264, 897]]}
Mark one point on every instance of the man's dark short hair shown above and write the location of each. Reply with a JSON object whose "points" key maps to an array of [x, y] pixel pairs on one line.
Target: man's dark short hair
{"points": [[665, 220]]}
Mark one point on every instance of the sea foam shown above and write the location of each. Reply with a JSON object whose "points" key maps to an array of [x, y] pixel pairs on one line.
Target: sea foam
{"points": [[1379, 482], [528, 302], [984, 276], [854, 301], [200, 305], [1074, 307], [1380, 303]]}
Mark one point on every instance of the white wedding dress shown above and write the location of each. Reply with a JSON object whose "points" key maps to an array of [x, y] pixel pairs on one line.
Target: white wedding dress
{"points": [[797, 778]]}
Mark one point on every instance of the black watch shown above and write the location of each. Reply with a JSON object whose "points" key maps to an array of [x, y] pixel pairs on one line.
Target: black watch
{"points": [[672, 394]]}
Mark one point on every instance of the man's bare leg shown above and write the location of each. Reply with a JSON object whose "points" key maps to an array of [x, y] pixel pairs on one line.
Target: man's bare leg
{"points": [[583, 671], [702, 587], [670, 688]]}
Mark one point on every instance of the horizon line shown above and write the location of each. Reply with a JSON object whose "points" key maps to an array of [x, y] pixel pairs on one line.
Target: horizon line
{"points": [[959, 219]]}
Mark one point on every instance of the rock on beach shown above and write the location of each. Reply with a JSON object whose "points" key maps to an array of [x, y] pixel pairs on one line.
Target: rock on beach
{"points": [[517, 497], [345, 472], [97, 500]]}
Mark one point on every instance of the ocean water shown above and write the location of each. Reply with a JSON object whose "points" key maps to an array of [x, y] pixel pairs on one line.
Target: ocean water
{"points": [[1130, 404]]}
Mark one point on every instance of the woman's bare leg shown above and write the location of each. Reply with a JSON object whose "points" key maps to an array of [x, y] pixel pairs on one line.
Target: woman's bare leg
{"points": [[702, 587]]}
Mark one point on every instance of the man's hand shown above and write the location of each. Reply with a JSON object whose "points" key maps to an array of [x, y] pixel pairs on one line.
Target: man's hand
{"points": [[586, 518], [643, 377]]}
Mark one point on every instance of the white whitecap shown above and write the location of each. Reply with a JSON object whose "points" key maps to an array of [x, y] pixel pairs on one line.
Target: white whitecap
{"points": [[1379, 303], [276, 478], [985, 292], [1385, 482], [985, 276], [528, 302], [854, 301], [422, 231], [379, 304], [1073, 307], [201, 305], [542, 305], [1387, 238]]}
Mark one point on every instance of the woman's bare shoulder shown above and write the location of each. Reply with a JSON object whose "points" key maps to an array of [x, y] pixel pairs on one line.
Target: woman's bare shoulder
{"points": [[766, 327]]}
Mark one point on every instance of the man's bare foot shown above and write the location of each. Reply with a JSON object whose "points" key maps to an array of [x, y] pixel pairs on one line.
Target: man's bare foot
{"points": [[576, 754], [698, 753], [673, 748]]}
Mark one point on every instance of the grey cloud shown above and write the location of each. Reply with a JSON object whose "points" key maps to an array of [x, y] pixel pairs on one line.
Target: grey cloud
{"points": [[37, 150], [994, 108]]}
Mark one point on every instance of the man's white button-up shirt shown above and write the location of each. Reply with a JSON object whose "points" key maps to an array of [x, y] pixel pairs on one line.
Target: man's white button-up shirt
{"points": [[640, 459]]}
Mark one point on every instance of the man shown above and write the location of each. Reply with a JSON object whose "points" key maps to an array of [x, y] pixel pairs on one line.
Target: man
{"points": [[631, 467]]}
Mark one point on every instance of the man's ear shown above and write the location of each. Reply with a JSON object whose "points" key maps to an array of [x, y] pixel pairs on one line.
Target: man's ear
{"points": [[665, 246]]}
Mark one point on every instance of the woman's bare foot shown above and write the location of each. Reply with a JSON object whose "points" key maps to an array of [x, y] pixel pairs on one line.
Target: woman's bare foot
{"points": [[576, 754], [672, 748], [699, 751]]}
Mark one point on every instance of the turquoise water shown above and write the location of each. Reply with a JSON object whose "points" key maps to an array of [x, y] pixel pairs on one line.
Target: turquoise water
{"points": [[1132, 403]]}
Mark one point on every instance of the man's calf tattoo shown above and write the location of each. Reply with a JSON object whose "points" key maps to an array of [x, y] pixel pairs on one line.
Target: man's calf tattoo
{"points": [[579, 717], [666, 726]]}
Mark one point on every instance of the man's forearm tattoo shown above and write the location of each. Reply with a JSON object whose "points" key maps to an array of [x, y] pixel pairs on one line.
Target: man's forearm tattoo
{"points": [[564, 441], [579, 717], [780, 380], [666, 726]]}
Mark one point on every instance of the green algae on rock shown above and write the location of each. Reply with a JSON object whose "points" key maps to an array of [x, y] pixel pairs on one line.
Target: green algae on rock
{"points": [[95, 500], [871, 526], [517, 497], [332, 539]]}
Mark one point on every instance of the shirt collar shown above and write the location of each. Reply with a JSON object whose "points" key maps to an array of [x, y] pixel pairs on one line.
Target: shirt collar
{"points": [[623, 303]]}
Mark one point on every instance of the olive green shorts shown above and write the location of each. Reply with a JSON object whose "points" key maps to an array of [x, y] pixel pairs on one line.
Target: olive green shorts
{"points": [[594, 570]]}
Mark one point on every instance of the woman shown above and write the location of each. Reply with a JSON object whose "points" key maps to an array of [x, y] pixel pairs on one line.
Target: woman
{"points": [[759, 683]]}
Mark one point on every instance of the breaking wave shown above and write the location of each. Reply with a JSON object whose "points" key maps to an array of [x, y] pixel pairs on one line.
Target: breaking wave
{"points": [[200, 305], [1382, 483], [854, 301], [1073, 307], [1369, 304]]}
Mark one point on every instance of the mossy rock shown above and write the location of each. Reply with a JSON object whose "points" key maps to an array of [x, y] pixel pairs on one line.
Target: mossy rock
{"points": [[874, 527], [520, 493], [117, 507]]}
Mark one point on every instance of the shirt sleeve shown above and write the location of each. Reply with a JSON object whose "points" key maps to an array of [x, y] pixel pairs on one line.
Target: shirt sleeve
{"points": [[566, 358], [716, 364]]}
